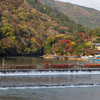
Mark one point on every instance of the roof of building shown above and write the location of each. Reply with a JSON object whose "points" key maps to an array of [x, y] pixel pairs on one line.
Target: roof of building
{"points": [[96, 52], [97, 44]]}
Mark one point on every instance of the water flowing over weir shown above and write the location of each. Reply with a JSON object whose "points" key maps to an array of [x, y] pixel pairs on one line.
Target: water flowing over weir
{"points": [[49, 78], [50, 86], [17, 72]]}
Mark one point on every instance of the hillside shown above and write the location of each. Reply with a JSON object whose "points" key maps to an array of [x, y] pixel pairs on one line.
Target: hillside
{"points": [[86, 16], [25, 26]]}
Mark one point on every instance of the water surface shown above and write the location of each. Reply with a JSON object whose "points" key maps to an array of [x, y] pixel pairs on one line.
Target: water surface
{"points": [[39, 61], [48, 85]]}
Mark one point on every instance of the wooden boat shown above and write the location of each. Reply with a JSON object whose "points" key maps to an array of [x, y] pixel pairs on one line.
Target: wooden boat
{"points": [[59, 66], [92, 65], [21, 67], [53, 66]]}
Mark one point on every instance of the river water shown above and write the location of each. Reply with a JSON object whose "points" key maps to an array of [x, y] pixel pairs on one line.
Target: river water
{"points": [[51, 85], [38, 61]]}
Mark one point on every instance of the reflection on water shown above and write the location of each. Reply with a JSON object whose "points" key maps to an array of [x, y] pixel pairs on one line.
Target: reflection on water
{"points": [[38, 61], [31, 60]]}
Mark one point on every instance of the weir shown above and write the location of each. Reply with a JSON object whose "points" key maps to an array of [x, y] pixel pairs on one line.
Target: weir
{"points": [[49, 78], [50, 86], [48, 70]]}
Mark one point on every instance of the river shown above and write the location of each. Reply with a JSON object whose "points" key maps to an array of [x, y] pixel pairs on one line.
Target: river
{"points": [[38, 61], [48, 85]]}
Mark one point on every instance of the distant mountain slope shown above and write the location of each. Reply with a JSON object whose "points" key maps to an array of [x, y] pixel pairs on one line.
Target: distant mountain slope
{"points": [[57, 16], [86, 16]]}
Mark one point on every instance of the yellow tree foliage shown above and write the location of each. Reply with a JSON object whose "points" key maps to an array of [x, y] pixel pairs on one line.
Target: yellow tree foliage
{"points": [[4, 19], [60, 35], [7, 30], [20, 9], [33, 40], [44, 8], [73, 43], [88, 43]]}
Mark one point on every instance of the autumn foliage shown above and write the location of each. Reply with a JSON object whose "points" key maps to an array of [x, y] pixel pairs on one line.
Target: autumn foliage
{"points": [[27, 27]]}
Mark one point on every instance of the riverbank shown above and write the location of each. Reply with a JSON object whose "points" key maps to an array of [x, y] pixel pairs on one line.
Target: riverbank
{"points": [[64, 57], [50, 56]]}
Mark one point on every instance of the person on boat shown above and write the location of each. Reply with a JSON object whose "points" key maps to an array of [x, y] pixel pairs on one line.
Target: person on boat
{"points": [[3, 63], [75, 63]]}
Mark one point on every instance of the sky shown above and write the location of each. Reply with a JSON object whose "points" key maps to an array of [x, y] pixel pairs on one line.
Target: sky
{"points": [[87, 3]]}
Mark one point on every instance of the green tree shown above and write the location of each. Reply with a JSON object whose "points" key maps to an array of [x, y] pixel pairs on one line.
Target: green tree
{"points": [[49, 43]]}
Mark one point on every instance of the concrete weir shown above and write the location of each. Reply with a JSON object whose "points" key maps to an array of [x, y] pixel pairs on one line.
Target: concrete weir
{"points": [[48, 70]]}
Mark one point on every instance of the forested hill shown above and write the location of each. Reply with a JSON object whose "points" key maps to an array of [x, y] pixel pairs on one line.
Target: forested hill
{"points": [[86, 16], [26, 24]]}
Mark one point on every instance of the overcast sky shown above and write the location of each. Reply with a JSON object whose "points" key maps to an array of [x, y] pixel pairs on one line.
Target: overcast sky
{"points": [[88, 3]]}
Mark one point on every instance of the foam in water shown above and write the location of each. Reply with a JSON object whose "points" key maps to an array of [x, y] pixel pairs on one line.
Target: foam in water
{"points": [[60, 86], [49, 73]]}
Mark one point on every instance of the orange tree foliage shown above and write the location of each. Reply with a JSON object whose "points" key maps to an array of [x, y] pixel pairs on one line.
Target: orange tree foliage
{"points": [[67, 46]]}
